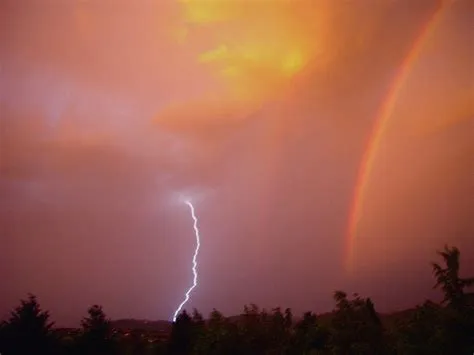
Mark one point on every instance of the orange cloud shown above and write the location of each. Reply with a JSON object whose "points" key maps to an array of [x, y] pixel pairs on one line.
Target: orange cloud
{"points": [[254, 47], [252, 52]]}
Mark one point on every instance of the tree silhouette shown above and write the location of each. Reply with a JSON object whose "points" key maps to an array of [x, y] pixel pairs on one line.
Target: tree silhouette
{"points": [[356, 327], [308, 336], [458, 317], [288, 318], [423, 332], [97, 333], [197, 318], [182, 335], [451, 283], [252, 330], [277, 331], [221, 336], [198, 328], [28, 331]]}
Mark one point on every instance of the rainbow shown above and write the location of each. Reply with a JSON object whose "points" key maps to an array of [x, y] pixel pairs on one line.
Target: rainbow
{"points": [[381, 122]]}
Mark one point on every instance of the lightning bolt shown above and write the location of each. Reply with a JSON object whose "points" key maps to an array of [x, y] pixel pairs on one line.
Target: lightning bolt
{"points": [[194, 268]]}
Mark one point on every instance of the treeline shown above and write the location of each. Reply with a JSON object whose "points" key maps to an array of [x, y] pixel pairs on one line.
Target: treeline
{"points": [[354, 327]]}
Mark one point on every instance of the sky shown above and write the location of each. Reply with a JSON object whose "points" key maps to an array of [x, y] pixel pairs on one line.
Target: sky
{"points": [[261, 112]]}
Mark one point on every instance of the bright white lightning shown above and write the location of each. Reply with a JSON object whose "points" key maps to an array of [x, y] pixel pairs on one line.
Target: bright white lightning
{"points": [[194, 268]]}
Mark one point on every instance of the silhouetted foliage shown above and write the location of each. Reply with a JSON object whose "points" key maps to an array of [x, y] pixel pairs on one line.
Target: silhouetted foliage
{"points": [[423, 332], [448, 279], [97, 333], [220, 336], [182, 335], [356, 327], [309, 335], [28, 331], [353, 328], [458, 317]]}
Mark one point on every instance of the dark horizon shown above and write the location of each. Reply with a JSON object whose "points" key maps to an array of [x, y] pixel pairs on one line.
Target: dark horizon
{"points": [[435, 297]]}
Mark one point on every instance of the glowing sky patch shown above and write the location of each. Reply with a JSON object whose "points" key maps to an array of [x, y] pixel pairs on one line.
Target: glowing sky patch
{"points": [[253, 48]]}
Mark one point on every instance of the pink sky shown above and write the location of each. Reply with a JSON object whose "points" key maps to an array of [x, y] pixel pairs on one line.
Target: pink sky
{"points": [[107, 112]]}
